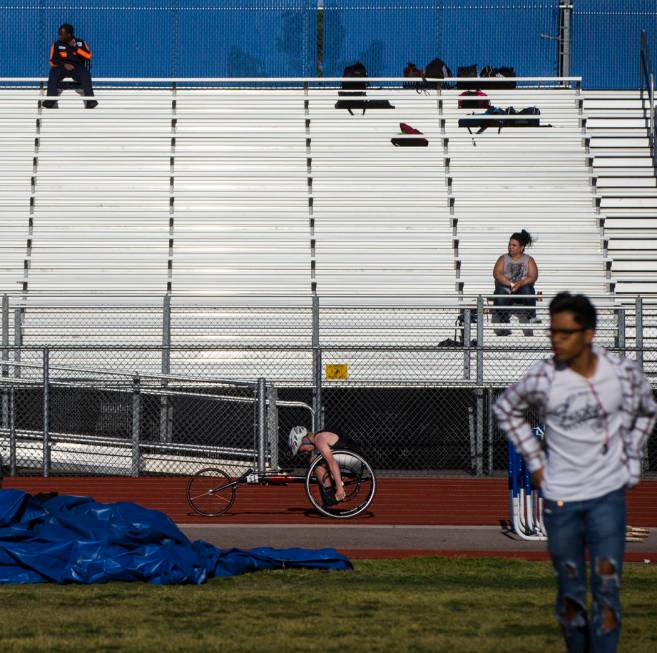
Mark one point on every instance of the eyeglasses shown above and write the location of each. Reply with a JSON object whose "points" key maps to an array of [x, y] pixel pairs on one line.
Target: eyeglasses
{"points": [[563, 332]]}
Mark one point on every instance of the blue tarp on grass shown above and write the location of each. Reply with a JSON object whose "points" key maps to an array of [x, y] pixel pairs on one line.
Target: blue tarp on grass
{"points": [[68, 539]]}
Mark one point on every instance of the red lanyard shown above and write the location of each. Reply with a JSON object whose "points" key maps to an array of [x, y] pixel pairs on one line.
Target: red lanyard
{"points": [[594, 392]]}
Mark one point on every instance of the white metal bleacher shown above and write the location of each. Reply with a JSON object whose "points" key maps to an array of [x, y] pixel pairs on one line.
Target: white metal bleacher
{"points": [[241, 197], [101, 198], [617, 138], [250, 192], [380, 213], [275, 191], [17, 126], [527, 178]]}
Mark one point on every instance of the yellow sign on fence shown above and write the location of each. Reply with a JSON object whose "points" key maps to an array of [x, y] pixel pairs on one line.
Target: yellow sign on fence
{"points": [[337, 371]]}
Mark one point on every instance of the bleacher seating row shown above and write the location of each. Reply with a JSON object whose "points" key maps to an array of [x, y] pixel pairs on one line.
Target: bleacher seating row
{"points": [[258, 192], [274, 192], [617, 140]]}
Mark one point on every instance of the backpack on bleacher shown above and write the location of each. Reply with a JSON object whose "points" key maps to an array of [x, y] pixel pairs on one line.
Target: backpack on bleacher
{"points": [[358, 86], [413, 72], [436, 69], [467, 71], [497, 77]]}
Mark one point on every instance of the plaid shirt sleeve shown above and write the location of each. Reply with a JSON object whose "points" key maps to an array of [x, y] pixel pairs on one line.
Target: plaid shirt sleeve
{"points": [[643, 421], [510, 411]]}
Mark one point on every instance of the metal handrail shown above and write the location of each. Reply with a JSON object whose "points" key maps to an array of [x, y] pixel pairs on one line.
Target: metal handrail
{"points": [[647, 76], [126, 375], [279, 80]]}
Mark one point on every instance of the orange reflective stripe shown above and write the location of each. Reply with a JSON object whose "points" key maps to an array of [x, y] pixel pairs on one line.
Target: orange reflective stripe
{"points": [[63, 54], [83, 53]]}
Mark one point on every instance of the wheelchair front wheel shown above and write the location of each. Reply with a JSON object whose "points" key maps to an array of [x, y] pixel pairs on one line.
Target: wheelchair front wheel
{"points": [[211, 492]]}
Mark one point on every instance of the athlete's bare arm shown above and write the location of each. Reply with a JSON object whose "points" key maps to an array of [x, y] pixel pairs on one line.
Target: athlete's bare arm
{"points": [[323, 442]]}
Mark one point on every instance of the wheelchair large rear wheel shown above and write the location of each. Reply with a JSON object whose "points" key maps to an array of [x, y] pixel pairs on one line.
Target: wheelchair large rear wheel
{"points": [[359, 484]]}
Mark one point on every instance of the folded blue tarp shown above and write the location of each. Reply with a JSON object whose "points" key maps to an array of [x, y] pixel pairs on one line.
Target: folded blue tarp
{"points": [[68, 539]]}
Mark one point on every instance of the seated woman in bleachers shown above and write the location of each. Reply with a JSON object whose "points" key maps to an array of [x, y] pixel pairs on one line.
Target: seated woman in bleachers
{"points": [[515, 274]]}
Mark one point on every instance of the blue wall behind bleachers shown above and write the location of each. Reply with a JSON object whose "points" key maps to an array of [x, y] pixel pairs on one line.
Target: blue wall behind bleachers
{"points": [[606, 37], [385, 34], [271, 38], [165, 38]]}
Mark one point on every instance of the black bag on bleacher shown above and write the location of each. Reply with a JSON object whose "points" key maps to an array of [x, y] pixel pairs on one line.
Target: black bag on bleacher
{"points": [[529, 122], [355, 89], [496, 77], [358, 86], [467, 71], [420, 141], [436, 69], [505, 71]]}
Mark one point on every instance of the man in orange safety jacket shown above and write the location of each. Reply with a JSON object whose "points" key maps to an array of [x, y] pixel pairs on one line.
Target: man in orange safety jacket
{"points": [[69, 57]]}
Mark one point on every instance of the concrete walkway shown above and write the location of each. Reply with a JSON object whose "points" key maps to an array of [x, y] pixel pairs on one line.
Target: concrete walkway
{"points": [[379, 539]]}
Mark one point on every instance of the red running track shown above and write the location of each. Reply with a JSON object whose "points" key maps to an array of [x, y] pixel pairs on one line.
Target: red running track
{"points": [[399, 501]]}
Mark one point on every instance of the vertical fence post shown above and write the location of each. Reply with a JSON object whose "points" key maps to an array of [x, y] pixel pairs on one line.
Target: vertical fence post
{"points": [[5, 359], [565, 38], [261, 396], [165, 417], [473, 441], [638, 326], [467, 336], [479, 392], [317, 367], [18, 343], [620, 327], [166, 334], [491, 429], [136, 425], [480, 339], [18, 339], [642, 40], [46, 412], [272, 425], [12, 432], [5, 325]]}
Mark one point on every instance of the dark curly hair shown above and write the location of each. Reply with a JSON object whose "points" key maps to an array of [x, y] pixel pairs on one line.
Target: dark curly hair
{"points": [[523, 237]]}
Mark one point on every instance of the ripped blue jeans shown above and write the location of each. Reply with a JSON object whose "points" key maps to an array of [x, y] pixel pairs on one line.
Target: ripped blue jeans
{"points": [[599, 526]]}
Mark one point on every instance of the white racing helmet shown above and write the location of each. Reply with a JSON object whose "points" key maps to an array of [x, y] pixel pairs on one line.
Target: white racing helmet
{"points": [[297, 434]]}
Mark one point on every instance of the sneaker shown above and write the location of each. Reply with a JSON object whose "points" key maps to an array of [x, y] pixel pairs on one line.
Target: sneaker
{"points": [[50, 104], [91, 104], [502, 332]]}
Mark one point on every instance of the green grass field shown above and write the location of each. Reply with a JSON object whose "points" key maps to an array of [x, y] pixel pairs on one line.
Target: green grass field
{"points": [[419, 605]]}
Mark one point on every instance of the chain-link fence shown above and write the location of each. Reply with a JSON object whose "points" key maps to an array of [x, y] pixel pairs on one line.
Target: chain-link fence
{"points": [[279, 322], [419, 400], [75, 420], [396, 402]]}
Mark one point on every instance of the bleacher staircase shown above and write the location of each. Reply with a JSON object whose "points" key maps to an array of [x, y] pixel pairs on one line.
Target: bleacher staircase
{"points": [[624, 173]]}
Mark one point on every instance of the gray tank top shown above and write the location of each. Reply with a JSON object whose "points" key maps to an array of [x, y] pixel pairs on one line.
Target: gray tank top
{"points": [[516, 270]]}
